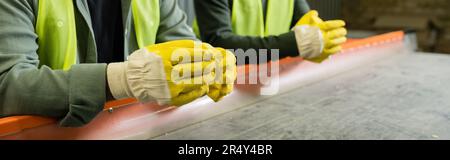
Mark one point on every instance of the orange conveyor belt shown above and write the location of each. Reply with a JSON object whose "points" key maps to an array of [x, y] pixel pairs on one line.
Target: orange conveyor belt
{"points": [[24, 127]]}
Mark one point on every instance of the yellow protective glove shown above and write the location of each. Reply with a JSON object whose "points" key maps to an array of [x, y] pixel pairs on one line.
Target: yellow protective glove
{"points": [[333, 32], [172, 73], [198, 61], [224, 81]]}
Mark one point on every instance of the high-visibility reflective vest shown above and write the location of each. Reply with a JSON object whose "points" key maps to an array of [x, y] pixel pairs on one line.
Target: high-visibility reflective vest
{"points": [[57, 35], [248, 17]]}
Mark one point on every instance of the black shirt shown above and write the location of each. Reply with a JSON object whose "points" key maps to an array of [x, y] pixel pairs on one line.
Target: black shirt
{"points": [[107, 23]]}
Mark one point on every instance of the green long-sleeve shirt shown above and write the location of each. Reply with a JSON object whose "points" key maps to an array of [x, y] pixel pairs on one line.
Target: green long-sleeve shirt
{"points": [[214, 19], [75, 96]]}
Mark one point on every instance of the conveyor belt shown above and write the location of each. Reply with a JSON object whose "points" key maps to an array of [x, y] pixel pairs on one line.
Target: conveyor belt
{"points": [[405, 96], [146, 121]]}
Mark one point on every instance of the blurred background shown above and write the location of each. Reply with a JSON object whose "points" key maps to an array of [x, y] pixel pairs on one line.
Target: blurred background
{"points": [[428, 20]]}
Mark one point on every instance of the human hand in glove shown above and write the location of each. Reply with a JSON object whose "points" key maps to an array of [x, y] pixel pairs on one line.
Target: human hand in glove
{"points": [[172, 73], [316, 39], [226, 74]]}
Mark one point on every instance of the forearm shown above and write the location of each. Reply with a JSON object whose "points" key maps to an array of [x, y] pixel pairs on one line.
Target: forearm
{"points": [[75, 97], [285, 43]]}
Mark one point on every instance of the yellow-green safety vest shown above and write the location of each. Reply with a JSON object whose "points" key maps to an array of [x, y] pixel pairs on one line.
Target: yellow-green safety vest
{"points": [[248, 18], [57, 36]]}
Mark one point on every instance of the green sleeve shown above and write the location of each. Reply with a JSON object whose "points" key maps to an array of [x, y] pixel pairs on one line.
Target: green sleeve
{"points": [[173, 23], [75, 96], [214, 19]]}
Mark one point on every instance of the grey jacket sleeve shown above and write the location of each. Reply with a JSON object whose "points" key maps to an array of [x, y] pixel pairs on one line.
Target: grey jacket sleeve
{"points": [[173, 23], [75, 96], [214, 19]]}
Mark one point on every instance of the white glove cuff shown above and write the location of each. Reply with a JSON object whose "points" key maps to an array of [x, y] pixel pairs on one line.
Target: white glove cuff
{"points": [[142, 77], [117, 81], [310, 41]]}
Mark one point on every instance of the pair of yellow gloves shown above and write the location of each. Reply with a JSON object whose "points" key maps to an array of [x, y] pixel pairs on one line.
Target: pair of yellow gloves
{"points": [[194, 69], [333, 32]]}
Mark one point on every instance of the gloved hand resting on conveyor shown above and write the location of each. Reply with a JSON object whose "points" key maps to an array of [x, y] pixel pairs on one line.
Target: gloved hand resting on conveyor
{"points": [[159, 73], [223, 83], [318, 39]]}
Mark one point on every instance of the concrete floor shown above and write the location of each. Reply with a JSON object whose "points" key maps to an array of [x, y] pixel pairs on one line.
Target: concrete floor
{"points": [[405, 97]]}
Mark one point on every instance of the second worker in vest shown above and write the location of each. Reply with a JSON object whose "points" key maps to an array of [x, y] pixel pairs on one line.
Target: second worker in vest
{"points": [[287, 25], [66, 58]]}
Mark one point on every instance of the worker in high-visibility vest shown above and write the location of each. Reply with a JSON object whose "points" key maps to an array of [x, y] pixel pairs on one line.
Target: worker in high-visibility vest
{"points": [[66, 58], [287, 25]]}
